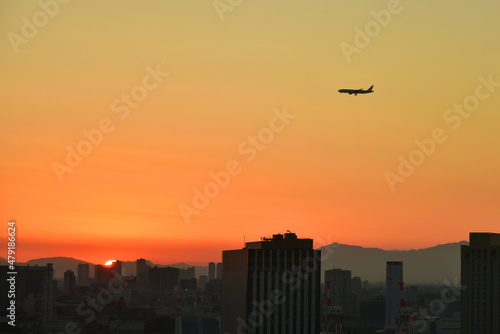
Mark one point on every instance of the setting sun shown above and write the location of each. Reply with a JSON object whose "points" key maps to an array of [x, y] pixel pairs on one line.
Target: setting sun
{"points": [[110, 262]]}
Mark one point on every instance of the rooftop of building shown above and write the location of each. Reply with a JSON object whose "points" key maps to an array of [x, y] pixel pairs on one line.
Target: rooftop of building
{"points": [[287, 240], [484, 239]]}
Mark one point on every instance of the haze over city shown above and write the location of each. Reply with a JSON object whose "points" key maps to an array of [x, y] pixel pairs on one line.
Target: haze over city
{"points": [[174, 130]]}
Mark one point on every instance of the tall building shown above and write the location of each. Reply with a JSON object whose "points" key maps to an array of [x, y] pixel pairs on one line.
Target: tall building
{"points": [[163, 279], [372, 311], [480, 298], [31, 282], [393, 281], [83, 274], [69, 282], [219, 270], [117, 266], [202, 281], [211, 271], [104, 274], [142, 272], [188, 273], [356, 285], [188, 284], [338, 284], [272, 286], [49, 310]]}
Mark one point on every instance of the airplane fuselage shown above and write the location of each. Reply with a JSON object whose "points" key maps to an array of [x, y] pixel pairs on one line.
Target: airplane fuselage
{"points": [[356, 91]]}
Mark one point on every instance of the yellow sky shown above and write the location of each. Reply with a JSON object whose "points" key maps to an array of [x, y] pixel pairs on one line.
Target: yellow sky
{"points": [[323, 175]]}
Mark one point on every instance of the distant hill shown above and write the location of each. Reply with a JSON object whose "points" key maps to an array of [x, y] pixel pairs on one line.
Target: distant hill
{"points": [[429, 265], [130, 267], [425, 266], [61, 264]]}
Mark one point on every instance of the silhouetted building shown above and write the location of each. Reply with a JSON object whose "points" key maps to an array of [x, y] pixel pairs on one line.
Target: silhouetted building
{"points": [[181, 324], [198, 325], [69, 282], [189, 284], [83, 274], [188, 273], [202, 281], [393, 281], [480, 299], [356, 285], [101, 274], [272, 286], [219, 270], [211, 271], [338, 283], [48, 294], [4, 287], [164, 278], [32, 282], [372, 311], [104, 274], [213, 291], [142, 272], [117, 266]]}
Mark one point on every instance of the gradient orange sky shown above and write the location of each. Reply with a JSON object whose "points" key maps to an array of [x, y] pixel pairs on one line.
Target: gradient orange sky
{"points": [[322, 176]]}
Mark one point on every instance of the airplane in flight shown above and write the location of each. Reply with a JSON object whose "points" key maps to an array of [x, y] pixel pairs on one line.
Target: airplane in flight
{"points": [[357, 91]]}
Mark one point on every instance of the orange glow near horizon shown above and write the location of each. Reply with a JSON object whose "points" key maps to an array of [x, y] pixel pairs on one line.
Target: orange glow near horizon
{"points": [[151, 179], [110, 262]]}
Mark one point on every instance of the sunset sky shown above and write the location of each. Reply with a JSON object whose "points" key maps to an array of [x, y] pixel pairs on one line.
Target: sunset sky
{"points": [[251, 87]]}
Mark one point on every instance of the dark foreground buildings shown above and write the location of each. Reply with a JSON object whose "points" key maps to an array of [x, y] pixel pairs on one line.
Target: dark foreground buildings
{"points": [[272, 286], [480, 298]]}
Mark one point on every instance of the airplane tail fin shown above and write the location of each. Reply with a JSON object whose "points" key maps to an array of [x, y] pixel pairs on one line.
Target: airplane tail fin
{"points": [[371, 88]]}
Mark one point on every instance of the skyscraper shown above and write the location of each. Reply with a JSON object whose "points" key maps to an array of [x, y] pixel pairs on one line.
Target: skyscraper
{"points": [[104, 274], [219, 270], [69, 282], [188, 273], [339, 292], [83, 274], [393, 281], [339, 282], [211, 271], [142, 272], [202, 281], [163, 279], [34, 281], [272, 286], [480, 298]]}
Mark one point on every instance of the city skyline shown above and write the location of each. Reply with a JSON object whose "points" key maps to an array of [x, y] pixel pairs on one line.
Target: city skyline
{"points": [[201, 263], [171, 131], [364, 262], [269, 285]]}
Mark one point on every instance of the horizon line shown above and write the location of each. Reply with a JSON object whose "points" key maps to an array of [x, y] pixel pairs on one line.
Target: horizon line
{"points": [[197, 265]]}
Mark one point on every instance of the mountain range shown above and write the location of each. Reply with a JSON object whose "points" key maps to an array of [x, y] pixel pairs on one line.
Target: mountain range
{"points": [[61, 264], [423, 266]]}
